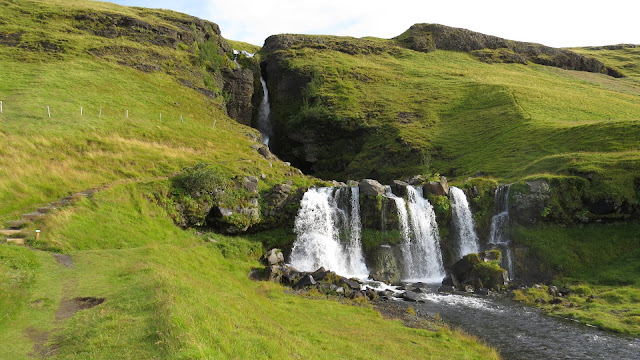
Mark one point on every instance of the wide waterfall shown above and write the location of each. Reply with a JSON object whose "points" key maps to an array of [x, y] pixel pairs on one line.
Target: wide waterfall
{"points": [[328, 232], [264, 115], [498, 233], [463, 222], [420, 238]]}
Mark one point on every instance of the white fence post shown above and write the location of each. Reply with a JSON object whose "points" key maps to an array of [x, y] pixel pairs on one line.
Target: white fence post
{"points": [[81, 110], [48, 111], [160, 117], [181, 120], [214, 123], [0, 106], [127, 114], [100, 112]]}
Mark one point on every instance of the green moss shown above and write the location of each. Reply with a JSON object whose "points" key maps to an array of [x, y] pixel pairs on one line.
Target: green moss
{"points": [[490, 273], [371, 239]]}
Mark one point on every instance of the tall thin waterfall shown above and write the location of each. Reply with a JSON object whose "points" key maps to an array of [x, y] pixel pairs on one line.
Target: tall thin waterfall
{"points": [[264, 115], [420, 237], [328, 232], [498, 233], [463, 222]]}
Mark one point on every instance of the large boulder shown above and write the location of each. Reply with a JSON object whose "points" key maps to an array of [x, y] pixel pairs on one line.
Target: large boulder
{"points": [[399, 188], [305, 281], [273, 257], [472, 271], [435, 188], [462, 268], [384, 264], [250, 183], [370, 187]]}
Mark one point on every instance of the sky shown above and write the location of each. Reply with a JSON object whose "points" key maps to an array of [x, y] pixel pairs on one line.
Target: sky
{"points": [[559, 23]]}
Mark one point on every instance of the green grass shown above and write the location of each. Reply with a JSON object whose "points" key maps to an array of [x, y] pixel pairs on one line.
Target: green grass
{"points": [[614, 309], [599, 254], [594, 260], [176, 295]]}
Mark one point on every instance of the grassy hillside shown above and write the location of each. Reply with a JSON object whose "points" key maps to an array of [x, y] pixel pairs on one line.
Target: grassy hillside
{"points": [[157, 291], [173, 294], [449, 112], [45, 158]]}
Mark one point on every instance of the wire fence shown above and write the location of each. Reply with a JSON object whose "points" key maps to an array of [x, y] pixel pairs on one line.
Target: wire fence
{"points": [[48, 113]]}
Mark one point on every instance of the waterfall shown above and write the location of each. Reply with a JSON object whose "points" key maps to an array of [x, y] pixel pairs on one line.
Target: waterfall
{"points": [[463, 222], [328, 232], [264, 115], [498, 233], [420, 238]]}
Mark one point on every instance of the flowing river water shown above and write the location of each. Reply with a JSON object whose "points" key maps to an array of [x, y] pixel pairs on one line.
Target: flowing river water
{"points": [[521, 332]]}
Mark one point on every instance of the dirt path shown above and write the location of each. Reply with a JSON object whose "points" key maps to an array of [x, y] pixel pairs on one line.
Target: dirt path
{"points": [[43, 346]]}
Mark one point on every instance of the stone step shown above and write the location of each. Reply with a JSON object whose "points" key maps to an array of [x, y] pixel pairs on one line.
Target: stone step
{"points": [[45, 209], [10, 232], [60, 203], [17, 224], [33, 216], [17, 241]]}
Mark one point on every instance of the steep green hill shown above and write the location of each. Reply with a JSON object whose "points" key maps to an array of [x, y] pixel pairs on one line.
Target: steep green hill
{"points": [[96, 95], [454, 103]]}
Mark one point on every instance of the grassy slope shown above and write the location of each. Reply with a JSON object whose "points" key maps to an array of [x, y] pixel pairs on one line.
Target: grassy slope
{"points": [[605, 278], [506, 120], [172, 295], [169, 293], [43, 159]]}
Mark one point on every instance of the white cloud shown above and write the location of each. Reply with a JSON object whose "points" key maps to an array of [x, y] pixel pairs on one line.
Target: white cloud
{"points": [[551, 22]]}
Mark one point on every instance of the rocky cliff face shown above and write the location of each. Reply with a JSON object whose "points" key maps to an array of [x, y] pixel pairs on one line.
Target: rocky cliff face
{"points": [[430, 37], [238, 85], [309, 139]]}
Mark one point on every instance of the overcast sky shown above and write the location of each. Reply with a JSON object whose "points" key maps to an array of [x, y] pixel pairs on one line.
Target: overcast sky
{"points": [[558, 23]]}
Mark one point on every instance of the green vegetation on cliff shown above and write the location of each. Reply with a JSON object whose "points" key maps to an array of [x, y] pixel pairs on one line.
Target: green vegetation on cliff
{"points": [[354, 108]]}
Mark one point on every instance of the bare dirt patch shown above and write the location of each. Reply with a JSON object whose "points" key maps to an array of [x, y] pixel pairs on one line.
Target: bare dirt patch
{"points": [[68, 307], [64, 260]]}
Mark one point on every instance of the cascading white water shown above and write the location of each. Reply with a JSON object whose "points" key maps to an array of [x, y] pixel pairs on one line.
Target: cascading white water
{"points": [[319, 224], [463, 222], [498, 233], [500, 221], [264, 115], [356, 257], [420, 237]]}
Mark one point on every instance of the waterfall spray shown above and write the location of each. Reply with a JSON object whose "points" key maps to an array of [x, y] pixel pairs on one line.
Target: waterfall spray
{"points": [[328, 232]]}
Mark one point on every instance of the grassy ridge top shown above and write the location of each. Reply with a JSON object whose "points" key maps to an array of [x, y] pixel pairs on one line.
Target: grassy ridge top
{"points": [[449, 112]]}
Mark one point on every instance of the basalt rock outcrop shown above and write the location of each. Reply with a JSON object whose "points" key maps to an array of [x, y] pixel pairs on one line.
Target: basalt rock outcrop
{"points": [[430, 37], [239, 86]]}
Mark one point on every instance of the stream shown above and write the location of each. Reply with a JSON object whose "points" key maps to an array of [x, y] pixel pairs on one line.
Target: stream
{"points": [[521, 332]]}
